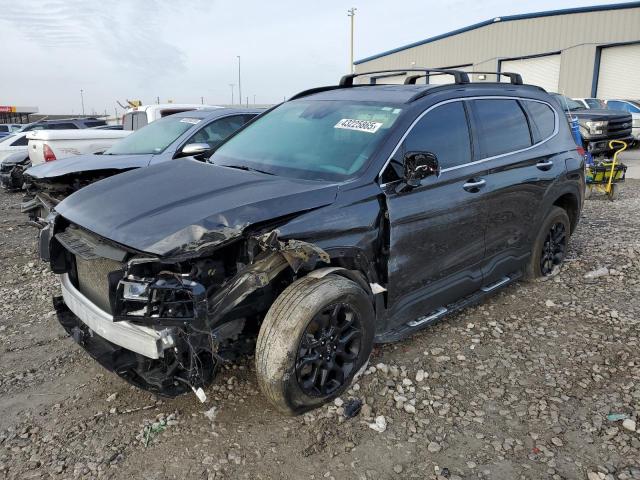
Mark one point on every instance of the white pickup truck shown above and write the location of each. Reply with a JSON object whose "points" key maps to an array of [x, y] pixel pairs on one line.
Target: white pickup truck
{"points": [[49, 145]]}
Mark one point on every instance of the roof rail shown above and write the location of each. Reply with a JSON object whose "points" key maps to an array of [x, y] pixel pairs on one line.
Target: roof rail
{"points": [[459, 76], [515, 78]]}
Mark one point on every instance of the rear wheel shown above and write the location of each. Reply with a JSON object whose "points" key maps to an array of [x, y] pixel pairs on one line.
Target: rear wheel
{"points": [[550, 246], [314, 339]]}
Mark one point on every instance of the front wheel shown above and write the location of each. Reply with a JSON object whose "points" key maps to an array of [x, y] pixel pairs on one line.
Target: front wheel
{"points": [[314, 339], [550, 247]]}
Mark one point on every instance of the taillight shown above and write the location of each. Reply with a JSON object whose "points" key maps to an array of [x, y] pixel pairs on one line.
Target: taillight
{"points": [[581, 151], [49, 156]]}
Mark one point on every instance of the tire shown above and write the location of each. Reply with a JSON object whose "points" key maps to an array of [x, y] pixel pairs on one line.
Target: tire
{"points": [[614, 193], [306, 310], [541, 246]]}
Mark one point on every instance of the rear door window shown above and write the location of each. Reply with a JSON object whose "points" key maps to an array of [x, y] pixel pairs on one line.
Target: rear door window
{"points": [[542, 120], [501, 126], [444, 131]]}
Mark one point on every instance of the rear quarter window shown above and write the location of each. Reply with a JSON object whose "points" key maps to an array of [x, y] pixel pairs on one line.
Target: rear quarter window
{"points": [[542, 119], [501, 126]]}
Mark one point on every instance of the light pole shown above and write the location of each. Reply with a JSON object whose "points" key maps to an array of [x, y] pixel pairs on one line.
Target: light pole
{"points": [[351, 13], [232, 85], [82, 100], [254, 100], [239, 82]]}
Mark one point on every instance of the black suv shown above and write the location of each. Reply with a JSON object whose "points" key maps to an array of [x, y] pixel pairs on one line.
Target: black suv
{"points": [[64, 124], [348, 215]]}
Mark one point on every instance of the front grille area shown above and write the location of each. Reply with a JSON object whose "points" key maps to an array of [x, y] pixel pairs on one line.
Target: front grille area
{"points": [[93, 279], [616, 127]]}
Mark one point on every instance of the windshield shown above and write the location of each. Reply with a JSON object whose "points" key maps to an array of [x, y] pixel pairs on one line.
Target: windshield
{"points": [[569, 104], [315, 140], [153, 138]]}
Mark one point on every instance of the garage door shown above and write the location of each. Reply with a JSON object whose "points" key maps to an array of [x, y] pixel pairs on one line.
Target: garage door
{"points": [[444, 79], [618, 75], [542, 71]]}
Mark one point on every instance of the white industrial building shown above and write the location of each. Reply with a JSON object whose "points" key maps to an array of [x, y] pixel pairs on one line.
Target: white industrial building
{"points": [[581, 52]]}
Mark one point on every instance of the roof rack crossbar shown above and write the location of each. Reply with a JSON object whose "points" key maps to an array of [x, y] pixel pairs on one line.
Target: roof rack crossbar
{"points": [[515, 78], [458, 75]]}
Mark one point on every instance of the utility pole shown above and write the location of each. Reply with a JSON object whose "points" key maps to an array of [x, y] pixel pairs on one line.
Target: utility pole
{"points": [[232, 85], [158, 100], [239, 83], [351, 13], [202, 100], [254, 100], [82, 100]]}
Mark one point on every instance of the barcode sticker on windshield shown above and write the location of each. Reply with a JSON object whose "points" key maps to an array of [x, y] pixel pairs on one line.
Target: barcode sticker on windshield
{"points": [[192, 121], [359, 125]]}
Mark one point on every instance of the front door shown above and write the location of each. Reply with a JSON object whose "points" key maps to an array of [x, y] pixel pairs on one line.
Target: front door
{"points": [[436, 230]]}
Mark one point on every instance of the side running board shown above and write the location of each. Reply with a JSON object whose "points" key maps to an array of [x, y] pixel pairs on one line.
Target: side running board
{"points": [[495, 285], [437, 313]]}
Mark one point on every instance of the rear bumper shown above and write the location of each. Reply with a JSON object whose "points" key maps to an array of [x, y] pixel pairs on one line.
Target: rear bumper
{"points": [[145, 341]]}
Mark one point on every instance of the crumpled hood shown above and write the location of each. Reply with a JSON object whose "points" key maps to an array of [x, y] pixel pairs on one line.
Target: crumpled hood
{"points": [[181, 205], [87, 163]]}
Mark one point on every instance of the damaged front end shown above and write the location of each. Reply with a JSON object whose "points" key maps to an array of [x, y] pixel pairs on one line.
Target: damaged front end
{"points": [[166, 323], [12, 171]]}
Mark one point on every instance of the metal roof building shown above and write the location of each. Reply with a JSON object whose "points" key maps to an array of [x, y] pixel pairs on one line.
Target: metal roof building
{"points": [[582, 52]]}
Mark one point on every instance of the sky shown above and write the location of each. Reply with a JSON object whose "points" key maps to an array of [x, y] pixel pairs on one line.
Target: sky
{"points": [[184, 50]]}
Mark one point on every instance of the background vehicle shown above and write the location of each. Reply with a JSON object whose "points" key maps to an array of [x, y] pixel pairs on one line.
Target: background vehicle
{"points": [[64, 124], [597, 126], [632, 107], [8, 129], [346, 215], [13, 143], [591, 102], [14, 160], [12, 168], [49, 145], [195, 132], [138, 117]]}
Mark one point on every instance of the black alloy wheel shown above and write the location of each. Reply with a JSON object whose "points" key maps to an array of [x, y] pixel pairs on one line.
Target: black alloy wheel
{"points": [[328, 350], [553, 248]]}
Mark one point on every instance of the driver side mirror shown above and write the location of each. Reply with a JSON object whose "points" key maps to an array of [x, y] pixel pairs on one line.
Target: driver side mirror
{"points": [[419, 165], [197, 150]]}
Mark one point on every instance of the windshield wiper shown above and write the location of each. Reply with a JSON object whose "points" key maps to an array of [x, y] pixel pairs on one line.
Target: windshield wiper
{"points": [[248, 169]]}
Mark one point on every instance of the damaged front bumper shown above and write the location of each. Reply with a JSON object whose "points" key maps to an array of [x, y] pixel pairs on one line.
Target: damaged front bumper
{"points": [[143, 340]]}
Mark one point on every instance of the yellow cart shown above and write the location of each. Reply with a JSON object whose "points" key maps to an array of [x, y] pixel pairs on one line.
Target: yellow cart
{"points": [[605, 176]]}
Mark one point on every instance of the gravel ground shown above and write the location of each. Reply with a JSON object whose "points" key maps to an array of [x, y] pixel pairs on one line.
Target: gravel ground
{"points": [[541, 381]]}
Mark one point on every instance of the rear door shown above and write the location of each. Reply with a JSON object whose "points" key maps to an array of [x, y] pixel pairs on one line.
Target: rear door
{"points": [[512, 138], [436, 243]]}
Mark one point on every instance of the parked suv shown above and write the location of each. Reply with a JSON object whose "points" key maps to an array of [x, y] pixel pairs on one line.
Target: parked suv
{"points": [[598, 126], [63, 124], [348, 215]]}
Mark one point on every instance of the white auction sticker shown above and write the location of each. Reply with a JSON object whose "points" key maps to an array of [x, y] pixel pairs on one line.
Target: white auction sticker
{"points": [[193, 121], [359, 125]]}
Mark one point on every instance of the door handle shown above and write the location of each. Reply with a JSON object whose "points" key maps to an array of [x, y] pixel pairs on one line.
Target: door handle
{"points": [[473, 185], [546, 165]]}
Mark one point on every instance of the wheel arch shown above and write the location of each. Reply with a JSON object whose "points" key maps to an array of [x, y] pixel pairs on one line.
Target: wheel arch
{"points": [[569, 203]]}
